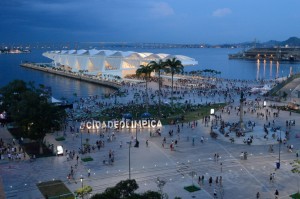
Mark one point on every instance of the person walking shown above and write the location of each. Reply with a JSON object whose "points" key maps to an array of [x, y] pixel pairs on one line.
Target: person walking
{"points": [[215, 193], [271, 177], [89, 172], [210, 181], [257, 195], [276, 194]]}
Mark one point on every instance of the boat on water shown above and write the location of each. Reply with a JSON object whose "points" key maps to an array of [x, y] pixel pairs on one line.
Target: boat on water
{"points": [[272, 53], [13, 51]]}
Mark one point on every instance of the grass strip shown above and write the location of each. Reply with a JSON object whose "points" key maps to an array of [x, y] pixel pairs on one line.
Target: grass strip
{"points": [[192, 188], [55, 189], [60, 139], [87, 159]]}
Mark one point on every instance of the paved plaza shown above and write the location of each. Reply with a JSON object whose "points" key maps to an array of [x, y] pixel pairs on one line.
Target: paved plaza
{"points": [[240, 178]]}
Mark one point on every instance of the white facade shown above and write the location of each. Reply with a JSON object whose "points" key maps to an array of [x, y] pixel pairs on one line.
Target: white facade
{"points": [[108, 62]]}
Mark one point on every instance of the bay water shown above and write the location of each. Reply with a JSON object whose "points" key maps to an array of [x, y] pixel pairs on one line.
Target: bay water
{"points": [[208, 58]]}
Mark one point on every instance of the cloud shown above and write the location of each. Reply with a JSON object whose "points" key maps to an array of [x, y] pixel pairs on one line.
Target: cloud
{"points": [[221, 12], [161, 9]]}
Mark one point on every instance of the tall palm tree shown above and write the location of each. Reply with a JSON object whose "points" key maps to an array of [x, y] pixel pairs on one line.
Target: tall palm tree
{"points": [[173, 66], [158, 66], [145, 71]]}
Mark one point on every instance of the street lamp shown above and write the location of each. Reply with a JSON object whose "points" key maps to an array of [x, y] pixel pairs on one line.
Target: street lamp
{"points": [[136, 139], [278, 166], [81, 142], [115, 94], [129, 169], [81, 179]]}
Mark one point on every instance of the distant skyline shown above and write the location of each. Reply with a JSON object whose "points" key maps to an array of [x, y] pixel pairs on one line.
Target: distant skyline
{"points": [[164, 21]]}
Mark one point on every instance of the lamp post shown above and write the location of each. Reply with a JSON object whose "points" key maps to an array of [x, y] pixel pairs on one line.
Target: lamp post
{"points": [[129, 169], [81, 142], [116, 94], [81, 179], [136, 139], [279, 149]]}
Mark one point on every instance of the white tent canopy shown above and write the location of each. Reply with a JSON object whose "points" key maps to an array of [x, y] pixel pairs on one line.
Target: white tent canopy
{"points": [[109, 62], [53, 100]]}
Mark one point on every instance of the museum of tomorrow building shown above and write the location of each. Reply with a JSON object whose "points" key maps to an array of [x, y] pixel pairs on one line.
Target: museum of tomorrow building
{"points": [[108, 62]]}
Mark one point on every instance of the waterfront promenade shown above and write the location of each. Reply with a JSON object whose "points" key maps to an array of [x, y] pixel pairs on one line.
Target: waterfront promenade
{"points": [[90, 79], [240, 178]]}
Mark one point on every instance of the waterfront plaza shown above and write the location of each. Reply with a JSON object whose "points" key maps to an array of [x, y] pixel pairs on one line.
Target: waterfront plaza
{"points": [[241, 177]]}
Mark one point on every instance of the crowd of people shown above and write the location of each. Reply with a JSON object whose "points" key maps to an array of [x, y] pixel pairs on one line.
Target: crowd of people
{"points": [[11, 151], [194, 91]]}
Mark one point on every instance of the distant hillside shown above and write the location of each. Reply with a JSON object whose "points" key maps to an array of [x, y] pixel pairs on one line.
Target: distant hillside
{"points": [[271, 43], [292, 41]]}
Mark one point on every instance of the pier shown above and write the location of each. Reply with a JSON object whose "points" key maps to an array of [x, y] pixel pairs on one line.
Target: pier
{"points": [[73, 75], [275, 53]]}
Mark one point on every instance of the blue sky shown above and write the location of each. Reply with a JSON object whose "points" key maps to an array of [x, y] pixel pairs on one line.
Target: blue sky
{"points": [[160, 21]]}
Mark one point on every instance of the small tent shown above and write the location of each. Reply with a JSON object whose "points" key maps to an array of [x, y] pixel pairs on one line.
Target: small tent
{"points": [[55, 101]]}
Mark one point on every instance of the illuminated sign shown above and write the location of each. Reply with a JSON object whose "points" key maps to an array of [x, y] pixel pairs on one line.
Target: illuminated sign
{"points": [[94, 124]]}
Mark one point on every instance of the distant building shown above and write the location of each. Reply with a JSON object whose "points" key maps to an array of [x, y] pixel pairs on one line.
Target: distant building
{"points": [[108, 62]]}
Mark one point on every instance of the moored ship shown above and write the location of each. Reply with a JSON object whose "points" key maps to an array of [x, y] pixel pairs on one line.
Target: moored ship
{"points": [[275, 53]]}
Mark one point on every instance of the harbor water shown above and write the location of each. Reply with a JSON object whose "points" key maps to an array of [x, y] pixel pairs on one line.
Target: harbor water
{"points": [[208, 58]]}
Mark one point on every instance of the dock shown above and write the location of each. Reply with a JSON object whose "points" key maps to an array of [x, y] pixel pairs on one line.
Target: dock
{"points": [[81, 77], [272, 53]]}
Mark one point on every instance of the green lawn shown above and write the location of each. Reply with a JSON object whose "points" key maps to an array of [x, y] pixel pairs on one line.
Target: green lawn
{"points": [[87, 159], [60, 139], [295, 196], [192, 188], [170, 114], [55, 189]]}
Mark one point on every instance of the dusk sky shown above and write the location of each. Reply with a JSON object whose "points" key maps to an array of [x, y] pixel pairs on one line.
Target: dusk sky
{"points": [[159, 21]]}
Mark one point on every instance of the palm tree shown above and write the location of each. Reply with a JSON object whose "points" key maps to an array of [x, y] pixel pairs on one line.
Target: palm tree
{"points": [[173, 66], [145, 71], [158, 66]]}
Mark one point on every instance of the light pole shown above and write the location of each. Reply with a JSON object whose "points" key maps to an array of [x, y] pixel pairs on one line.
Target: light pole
{"points": [[81, 142], [136, 139], [129, 170], [115, 94], [81, 179], [279, 149]]}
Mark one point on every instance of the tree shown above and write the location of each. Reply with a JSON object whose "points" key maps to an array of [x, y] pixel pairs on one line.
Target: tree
{"points": [[146, 72], [173, 66], [284, 95], [29, 108], [296, 169], [81, 192], [125, 190], [158, 66]]}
